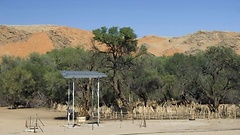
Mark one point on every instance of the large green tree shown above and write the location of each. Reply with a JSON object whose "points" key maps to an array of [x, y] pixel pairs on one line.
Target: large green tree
{"points": [[180, 70], [217, 74], [144, 79], [119, 46], [17, 85], [7, 63], [39, 65]]}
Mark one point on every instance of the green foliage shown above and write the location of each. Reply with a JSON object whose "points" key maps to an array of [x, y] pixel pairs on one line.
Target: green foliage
{"points": [[38, 65], [169, 89], [145, 78], [109, 99], [121, 49], [218, 75], [71, 59], [120, 45], [18, 85], [119, 41], [56, 88], [9, 62]]}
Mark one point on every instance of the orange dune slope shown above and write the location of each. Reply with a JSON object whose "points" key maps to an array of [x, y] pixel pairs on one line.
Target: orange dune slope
{"points": [[22, 40]]}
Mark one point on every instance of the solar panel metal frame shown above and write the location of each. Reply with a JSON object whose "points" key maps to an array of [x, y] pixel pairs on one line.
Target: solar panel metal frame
{"points": [[82, 74]]}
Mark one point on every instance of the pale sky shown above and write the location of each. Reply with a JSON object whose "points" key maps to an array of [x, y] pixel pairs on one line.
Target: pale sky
{"points": [[171, 18]]}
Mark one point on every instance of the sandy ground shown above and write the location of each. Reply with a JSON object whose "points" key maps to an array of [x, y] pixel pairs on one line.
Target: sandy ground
{"points": [[14, 121]]}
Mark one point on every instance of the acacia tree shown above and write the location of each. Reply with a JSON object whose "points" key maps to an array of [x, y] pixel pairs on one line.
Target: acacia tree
{"points": [[7, 63], [206, 77], [218, 75], [17, 85], [145, 79], [119, 46], [180, 71], [38, 65]]}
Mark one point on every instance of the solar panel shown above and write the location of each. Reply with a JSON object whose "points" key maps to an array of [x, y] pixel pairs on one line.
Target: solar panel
{"points": [[82, 74]]}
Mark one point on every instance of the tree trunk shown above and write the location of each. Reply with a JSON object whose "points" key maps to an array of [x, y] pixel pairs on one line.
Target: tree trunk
{"points": [[213, 106], [87, 97], [116, 87]]}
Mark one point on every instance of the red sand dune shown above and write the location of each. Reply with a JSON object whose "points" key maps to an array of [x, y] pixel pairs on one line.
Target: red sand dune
{"points": [[23, 40]]}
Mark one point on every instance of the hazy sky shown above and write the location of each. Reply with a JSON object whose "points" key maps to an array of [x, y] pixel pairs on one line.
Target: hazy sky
{"points": [[146, 17]]}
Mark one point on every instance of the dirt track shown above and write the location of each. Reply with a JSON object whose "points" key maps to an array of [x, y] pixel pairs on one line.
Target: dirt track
{"points": [[14, 121]]}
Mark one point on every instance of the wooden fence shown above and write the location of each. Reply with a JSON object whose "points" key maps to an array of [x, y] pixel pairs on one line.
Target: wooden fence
{"points": [[226, 111], [172, 112]]}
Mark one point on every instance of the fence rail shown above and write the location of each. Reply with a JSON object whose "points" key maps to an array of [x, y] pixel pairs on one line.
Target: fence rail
{"points": [[171, 113], [159, 116], [225, 111]]}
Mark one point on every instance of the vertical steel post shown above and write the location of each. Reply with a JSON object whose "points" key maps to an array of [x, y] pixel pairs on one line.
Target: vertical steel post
{"points": [[73, 103], [98, 101], [92, 104], [68, 112]]}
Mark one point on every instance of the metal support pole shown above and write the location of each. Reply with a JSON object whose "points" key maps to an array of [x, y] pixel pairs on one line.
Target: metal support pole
{"points": [[92, 104], [73, 103], [98, 101], [68, 112]]}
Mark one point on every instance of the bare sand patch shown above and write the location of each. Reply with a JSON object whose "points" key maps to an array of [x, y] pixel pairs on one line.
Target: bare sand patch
{"points": [[13, 122]]}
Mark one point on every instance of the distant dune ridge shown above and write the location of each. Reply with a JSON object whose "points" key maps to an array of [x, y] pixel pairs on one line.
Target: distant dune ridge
{"points": [[21, 40]]}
